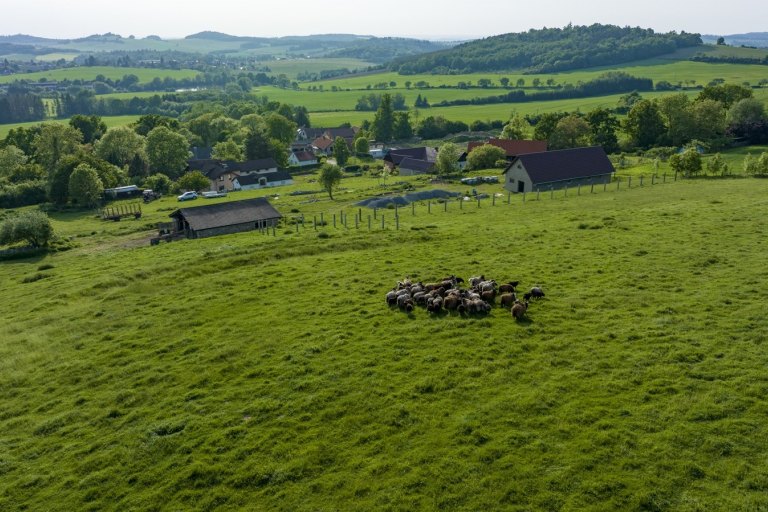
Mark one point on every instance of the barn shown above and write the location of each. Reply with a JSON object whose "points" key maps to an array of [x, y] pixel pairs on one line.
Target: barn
{"points": [[552, 170], [225, 218]]}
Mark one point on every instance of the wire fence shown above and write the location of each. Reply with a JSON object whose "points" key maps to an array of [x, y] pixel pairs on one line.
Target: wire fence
{"points": [[391, 217]]}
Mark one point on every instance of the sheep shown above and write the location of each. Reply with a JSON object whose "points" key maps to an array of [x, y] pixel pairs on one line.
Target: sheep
{"points": [[508, 287], [451, 302], [420, 298], [488, 295], [405, 303], [435, 304], [537, 292], [391, 297], [518, 309], [474, 281], [507, 299], [487, 286]]}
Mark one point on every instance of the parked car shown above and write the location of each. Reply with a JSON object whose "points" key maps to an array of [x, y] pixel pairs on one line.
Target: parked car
{"points": [[210, 194], [187, 196]]}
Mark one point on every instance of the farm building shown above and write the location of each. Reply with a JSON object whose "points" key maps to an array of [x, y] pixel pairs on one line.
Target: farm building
{"points": [[412, 167], [394, 157], [551, 170], [262, 180], [302, 158], [225, 218], [222, 173]]}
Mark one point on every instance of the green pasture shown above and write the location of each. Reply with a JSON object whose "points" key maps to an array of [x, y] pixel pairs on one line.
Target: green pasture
{"points": [[292, 67], [674, 71], [90, 73], [110, 121], [265, 372]]}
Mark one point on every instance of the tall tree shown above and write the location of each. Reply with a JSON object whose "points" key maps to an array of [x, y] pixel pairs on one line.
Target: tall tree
{"points": [[603, 125], [570, 132], [546, 124], [85, 187], [401, 126], [329, 178], [228, 150], [281, 128], [340, 151], [644, 124], [447, 159], [53, 143], [383, 121], [167, 151], [120, 145], [516, 129], [92, 127], [256, 145], [678, 118]]}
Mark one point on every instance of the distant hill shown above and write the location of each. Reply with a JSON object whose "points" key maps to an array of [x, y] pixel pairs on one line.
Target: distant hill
{"points": [[363, 47], [549, 50], [756, 39]]}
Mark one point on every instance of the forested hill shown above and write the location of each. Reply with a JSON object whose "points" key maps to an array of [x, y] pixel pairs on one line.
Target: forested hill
{"points": [[549, 50]]}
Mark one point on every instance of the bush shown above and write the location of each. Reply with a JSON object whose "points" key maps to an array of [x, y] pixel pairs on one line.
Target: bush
{"points": [[23, 194], [32, 227]]}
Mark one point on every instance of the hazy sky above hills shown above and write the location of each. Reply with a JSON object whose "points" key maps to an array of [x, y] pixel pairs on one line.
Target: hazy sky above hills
{"points": [[428, 19]]}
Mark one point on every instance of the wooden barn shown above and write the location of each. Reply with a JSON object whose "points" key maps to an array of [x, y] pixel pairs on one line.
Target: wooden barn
{"points": [[552, 170], [225, 218]]}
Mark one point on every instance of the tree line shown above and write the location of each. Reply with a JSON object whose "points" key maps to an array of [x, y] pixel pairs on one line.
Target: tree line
{"points": [[549, 50]]}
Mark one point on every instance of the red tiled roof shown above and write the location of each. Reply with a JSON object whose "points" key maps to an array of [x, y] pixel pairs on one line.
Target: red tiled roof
{"points": [[513, 147]]}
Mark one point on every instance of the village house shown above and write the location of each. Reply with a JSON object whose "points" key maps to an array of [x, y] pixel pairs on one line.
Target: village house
{"points": [[551, 170], [302, 159], [225, 218], [262, 180], [222, 173]]}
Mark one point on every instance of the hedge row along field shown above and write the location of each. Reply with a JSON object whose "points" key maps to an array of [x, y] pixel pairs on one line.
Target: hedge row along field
{"points": [[259, 372]]}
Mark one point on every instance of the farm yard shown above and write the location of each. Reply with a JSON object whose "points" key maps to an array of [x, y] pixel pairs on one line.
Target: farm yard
{"points": [[636, 383]]}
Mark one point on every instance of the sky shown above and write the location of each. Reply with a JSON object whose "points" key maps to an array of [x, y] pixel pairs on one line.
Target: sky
{"points": [[424, 19]]}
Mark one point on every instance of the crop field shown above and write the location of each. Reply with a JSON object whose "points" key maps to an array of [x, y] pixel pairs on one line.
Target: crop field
{"points": [[90, 73], [292, 67], [265, 372]]}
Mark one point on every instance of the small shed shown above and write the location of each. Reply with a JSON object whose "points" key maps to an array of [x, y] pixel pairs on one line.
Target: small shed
{"points": [[551, 170], [225, 218], [413, 167]]}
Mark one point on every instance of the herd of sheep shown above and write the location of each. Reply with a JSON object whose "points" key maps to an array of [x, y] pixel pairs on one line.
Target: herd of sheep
{"points": [[447, 295]]}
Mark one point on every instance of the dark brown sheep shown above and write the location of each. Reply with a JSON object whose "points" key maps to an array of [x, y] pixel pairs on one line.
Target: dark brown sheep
{"points": [[519, 309], [507, 299]]}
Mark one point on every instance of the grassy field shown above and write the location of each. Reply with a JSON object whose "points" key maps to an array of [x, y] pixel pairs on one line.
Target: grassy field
{"points": [[90, 73], [258, 372]]}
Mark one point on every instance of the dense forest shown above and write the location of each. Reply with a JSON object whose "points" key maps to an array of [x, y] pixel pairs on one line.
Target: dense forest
{"points": [[549, 50]]}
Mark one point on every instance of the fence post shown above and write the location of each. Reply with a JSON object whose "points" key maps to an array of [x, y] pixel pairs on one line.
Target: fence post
{"points": [[478, 200], [461, 203], [429, 206], [605, 186], [566, 190], [357, 223], [551, 191], [653, 179], [578, 189], [592, 188], [675, 175], [641, 180], [374, 212], [538, 193], [322, 222], [382, 221], [618, 180], [664, 178], [493, 200], [523, 196], [629, 183], [397, 222], [413, 209], [509, 197], [297, 227], [334, 220], [274, 231]]}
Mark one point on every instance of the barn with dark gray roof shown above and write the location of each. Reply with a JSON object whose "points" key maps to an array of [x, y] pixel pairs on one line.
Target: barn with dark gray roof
{"points": [[552, 170], [225, 218]]}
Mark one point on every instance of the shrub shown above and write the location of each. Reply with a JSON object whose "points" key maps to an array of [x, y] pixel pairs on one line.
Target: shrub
{"points": [[32, 227]]}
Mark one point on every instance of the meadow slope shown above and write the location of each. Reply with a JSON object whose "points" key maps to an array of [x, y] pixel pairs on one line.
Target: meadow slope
{"points": [[266, 373]]}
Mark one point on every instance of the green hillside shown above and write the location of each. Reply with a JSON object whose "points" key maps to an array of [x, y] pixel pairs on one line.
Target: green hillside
{"points": [[549, 50], [266, 373]]}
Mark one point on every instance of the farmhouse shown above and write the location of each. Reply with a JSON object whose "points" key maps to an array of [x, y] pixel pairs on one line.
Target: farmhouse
{"points": [[413, 167], [222, 173], [262, 180], [225, 218], [302, 158], [550, 170]]}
